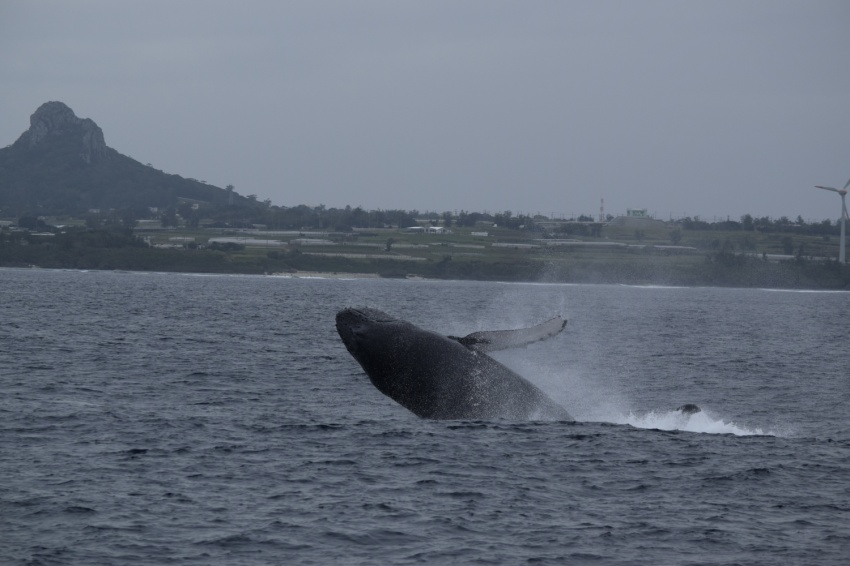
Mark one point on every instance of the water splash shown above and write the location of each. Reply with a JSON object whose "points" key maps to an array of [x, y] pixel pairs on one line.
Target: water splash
{"points": [[703, 422]]}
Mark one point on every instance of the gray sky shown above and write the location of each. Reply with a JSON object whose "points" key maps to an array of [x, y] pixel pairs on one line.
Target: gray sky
{"points": [[714, 109]]}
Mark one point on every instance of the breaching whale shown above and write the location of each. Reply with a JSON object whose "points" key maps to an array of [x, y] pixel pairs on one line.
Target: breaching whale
{"points": [[446, 377]]}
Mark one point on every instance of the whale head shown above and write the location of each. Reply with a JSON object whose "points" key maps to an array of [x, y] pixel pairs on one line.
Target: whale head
{"points": [[373, 337], [401, 360], [359, 327]]}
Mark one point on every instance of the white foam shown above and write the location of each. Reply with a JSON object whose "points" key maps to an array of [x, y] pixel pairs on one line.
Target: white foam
{"points": [[698, 422], [816, 291]]}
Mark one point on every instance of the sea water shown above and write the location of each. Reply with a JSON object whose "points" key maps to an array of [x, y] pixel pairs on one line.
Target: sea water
{"points": [[176, 419]]}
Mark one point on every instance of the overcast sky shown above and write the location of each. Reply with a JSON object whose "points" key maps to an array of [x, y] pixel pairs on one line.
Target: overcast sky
{"points": [[714, 109]]}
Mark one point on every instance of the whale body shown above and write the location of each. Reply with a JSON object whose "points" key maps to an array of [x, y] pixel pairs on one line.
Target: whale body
{"points": [[446, 377]]}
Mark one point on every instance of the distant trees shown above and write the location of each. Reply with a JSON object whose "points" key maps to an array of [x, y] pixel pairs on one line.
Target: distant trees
{"points": [[320, 217], [470, 219], [506, 219], [337, 219], [749, 223]]}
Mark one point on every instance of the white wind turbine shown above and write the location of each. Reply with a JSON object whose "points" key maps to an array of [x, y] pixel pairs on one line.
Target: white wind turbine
{"points": [[844, 216]]}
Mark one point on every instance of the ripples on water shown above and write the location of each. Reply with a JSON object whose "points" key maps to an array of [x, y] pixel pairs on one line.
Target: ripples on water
{"points": [[171, 419]]}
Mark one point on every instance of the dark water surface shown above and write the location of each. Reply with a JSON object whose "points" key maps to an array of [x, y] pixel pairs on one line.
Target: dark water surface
{"points": [[175, 419]]}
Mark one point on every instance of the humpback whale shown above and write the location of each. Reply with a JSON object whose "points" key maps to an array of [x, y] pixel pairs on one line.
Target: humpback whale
{"points": [[447, 377]]}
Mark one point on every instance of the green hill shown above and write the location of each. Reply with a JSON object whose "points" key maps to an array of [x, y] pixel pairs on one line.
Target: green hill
{"points": [[62, 165]]}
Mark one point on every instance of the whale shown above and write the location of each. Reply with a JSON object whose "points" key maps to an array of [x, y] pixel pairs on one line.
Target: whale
{"points": [[447, 377]]}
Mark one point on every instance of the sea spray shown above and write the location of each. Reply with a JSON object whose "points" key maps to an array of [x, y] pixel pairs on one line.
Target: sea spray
{"points": [[702, 421]]}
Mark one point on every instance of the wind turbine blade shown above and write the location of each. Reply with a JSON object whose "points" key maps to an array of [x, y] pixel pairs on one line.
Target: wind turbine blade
{"points": [[833, 189], [848, 184]]}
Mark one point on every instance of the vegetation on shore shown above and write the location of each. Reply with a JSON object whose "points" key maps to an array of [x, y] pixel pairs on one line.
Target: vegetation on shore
{"points": [[476, 246]]}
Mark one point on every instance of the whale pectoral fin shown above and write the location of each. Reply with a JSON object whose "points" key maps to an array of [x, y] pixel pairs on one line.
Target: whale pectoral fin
{"points": [[492, 340]]}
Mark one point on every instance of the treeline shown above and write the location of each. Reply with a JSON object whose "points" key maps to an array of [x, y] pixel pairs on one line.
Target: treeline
{"points": [[250, 212], [340, 219], [335, 219], [348, 218], [301, 217], [749, 223]]}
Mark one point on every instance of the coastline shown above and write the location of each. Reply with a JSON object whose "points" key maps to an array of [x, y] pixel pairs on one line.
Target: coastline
{"points": [[342, 275], [324, 275], [648, 266]]}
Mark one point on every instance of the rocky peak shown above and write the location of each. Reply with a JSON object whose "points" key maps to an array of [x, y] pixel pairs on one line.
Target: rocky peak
{"points": [[57, 119]]}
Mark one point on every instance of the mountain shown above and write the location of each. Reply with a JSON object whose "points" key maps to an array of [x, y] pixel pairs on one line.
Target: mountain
{"points": [[62, 165]]}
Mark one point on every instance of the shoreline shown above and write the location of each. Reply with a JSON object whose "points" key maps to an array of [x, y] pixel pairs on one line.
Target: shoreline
{"points": [[323, 275], [340, 275]]}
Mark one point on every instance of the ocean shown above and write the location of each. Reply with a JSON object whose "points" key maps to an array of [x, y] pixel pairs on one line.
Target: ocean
{"points": [[152, 418]]}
